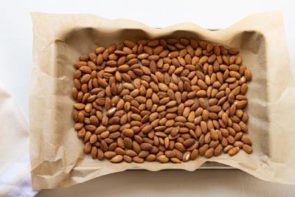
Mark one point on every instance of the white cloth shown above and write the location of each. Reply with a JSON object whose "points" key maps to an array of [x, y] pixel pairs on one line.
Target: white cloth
{"points": [[14, 150]]}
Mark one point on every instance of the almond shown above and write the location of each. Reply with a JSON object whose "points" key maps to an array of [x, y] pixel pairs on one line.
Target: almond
{"points": [[209, 153], [247, 148], [162, 159], [117, 159], [233, 151]]}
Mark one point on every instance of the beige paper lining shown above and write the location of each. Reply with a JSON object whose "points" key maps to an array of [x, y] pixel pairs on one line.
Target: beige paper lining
{"points": [[57, 159]]}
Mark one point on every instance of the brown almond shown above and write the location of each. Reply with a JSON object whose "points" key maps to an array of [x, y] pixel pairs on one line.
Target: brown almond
{"points": [[146, 146], [109, 154], [137, 159], [233, 151], [218, 150], [246, 140], [194, 154], [117, 159], [247, 148], [94, 152], [188, 142], [147, 128], [162, 159], [203, 149], [128, 132], [248, 75], [151, 157], [209, 153]]}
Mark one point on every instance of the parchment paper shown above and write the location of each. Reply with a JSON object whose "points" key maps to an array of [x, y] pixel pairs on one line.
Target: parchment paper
{"points": [[57, 157]]}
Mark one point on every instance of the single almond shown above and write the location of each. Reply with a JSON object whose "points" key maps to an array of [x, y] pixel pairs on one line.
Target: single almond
{"points": [[117, 159]]}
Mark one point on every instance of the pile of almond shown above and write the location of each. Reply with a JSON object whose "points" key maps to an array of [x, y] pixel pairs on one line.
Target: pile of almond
{"points": [[166, 100]]}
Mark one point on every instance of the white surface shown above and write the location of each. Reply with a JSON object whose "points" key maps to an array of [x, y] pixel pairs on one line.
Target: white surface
{"points": [[14, 140], [15, 54]]}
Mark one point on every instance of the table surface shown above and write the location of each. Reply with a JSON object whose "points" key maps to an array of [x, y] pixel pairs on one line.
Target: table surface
{"points": [[16, 55]]}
